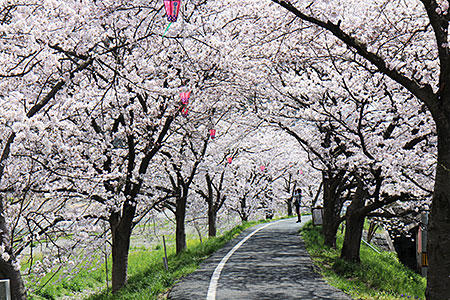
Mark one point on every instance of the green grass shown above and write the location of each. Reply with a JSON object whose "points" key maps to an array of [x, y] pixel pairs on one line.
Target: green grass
{"points": [[61, 284], [378, 276]]}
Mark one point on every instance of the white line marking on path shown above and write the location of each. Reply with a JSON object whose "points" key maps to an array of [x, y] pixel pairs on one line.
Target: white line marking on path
{"points": [[216, 275]]}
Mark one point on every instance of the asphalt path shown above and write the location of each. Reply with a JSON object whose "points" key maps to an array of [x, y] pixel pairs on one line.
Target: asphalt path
{"points": [[271, 263]]}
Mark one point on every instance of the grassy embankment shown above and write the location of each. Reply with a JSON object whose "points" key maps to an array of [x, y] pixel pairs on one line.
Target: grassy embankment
{"points": [[147, 275], [377, 277]]}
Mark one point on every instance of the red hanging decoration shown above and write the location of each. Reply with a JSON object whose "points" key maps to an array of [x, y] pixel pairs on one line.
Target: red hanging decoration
{"points": [[212, 133], [172, 9], [229, 159], [301, 172], [262, 168], [185, 97], [185, 111]]}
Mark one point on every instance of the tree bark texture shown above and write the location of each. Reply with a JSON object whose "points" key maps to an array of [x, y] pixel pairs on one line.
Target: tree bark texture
{"points": [[243, 210], [7, 270], [212, 216], [212, 212], [352, 239], [121, 225], [354, 226], [329, 233], [331, 207], [120, 247], [289, 207], [180, 231], [438, 248]]}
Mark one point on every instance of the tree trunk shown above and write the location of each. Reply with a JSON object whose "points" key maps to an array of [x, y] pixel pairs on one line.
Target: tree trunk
{"points": [[7, 270], [354, 226], [212, 215], [331, 208], [352, 239], [244, 218], [180, 232], [328, 215], [289, 207], [119, 251], [212, 211], [329, 229], [438, 283], [329, 234], [121, 224], [17, 287], [243, 214]]}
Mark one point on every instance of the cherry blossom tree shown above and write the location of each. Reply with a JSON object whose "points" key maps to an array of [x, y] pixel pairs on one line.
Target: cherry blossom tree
{"points": [[27, 89], [345, 137], [213, 189], [428, 30], [102, 71], [181, 168]]}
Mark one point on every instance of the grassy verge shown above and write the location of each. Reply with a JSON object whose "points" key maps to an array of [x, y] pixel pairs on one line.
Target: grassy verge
{"points": [[377, 277]]}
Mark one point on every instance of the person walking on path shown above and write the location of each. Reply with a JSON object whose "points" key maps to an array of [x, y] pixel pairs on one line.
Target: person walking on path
{"points": [[297, 203]]}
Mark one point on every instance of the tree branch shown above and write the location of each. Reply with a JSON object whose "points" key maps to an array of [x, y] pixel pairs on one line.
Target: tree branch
{"points": [[424, 93]]}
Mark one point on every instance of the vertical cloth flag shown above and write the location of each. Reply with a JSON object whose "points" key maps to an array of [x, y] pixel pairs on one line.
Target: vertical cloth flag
{"points": [[212, 133], [172, 10], [185, 97]]}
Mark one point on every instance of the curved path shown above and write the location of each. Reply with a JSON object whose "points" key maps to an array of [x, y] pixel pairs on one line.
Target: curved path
{"points": [[271, 264]]}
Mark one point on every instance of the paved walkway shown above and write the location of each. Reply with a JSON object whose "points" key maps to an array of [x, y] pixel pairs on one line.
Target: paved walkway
{"points": [[271, 264]]}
